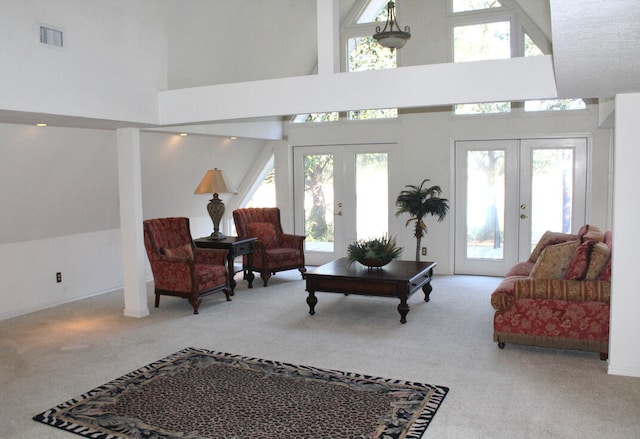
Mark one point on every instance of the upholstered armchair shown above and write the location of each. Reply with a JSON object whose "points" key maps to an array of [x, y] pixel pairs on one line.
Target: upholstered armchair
{"points": [[274, 250], [179, 268]]}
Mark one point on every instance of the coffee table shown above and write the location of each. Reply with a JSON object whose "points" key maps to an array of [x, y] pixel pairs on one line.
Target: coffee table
{"points": [[397, 279]]}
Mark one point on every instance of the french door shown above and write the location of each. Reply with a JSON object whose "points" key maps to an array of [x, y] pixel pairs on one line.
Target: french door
{"points": [[341, 194], [509, 192]]}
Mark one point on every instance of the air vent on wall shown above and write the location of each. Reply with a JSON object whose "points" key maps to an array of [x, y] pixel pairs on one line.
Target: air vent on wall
{"points": [[52, 37]]}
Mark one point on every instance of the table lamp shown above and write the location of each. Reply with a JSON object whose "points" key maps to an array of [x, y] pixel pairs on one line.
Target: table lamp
{"points": [[213, 183]]}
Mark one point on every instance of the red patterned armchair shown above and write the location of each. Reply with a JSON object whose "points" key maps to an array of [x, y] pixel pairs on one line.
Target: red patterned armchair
{"points": [[559, 298], [274, 250], [179, 268]]}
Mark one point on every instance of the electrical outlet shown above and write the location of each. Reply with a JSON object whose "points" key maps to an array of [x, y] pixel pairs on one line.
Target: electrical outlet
{"points": [[424, 251], [58, 277]]}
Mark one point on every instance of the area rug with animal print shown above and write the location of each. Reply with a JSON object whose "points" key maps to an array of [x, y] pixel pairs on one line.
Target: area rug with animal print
{"points": [[197, 393]]}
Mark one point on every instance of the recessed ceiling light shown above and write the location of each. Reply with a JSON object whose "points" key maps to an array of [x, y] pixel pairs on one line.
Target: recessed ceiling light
{"points": [[41, 124], [183, 134], [233, 137]]}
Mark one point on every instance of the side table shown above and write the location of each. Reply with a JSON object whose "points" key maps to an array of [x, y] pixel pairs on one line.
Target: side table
{"points": [[235, 247]]}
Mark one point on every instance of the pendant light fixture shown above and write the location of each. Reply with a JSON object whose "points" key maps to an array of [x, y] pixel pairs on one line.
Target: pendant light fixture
{"points": [[390, 37]]}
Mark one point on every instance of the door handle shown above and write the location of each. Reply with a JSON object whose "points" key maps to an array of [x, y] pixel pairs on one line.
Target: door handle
{"points": [[338, 214], [523, 216]]}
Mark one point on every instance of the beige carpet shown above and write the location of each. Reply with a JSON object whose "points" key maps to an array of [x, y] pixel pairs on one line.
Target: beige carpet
{"points": [[519, 392]]}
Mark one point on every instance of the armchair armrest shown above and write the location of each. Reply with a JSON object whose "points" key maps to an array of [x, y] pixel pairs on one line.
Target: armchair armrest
{"points": [[292, 241], [213, 256], [567, 290]]}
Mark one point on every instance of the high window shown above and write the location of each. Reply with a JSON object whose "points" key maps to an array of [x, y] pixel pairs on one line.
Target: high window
{"points": [[485, 30]]}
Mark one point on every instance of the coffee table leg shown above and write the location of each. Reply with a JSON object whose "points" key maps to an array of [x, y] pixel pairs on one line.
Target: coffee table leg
{"points": [[311, 301], [403, 309], [427, 288]]}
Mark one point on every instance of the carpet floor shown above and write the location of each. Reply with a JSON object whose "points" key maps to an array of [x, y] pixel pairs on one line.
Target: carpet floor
{"points": [[196, 393]]}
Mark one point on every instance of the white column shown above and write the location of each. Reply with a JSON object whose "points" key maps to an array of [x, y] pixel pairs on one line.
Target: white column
{"points": [[624, 349], [133, 253], [328, 37]]}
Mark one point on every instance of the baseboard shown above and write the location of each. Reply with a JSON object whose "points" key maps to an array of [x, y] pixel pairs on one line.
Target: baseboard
{"points": [[614, 369], [42, 306]]}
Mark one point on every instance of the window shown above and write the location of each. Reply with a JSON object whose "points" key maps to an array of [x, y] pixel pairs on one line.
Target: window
{"points": [[365, 53], [474, 5], [531, 48], [316, 117], [483, 108], [555, 105], [482, 41], [373, 114]]}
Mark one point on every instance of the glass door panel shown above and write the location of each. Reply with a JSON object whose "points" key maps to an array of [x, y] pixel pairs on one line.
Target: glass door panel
{"points": [[553, 188], [372, 195], [486, 240], [485, 204], [318, 202]]}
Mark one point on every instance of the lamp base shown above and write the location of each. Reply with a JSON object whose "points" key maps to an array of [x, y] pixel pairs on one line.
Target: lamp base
{"points": [[217, 236]]}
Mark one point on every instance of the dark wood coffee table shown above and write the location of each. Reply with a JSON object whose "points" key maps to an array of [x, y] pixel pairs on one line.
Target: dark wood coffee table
{"points": [[397, 279]]}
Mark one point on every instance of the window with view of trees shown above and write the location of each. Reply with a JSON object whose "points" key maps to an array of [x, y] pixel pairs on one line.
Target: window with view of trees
{"points": [[265, 194], [482, 41]]}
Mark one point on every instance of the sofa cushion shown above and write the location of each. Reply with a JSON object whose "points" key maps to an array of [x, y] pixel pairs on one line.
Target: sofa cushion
{"points": [[554, 261], [520, 269], [547, 239]]}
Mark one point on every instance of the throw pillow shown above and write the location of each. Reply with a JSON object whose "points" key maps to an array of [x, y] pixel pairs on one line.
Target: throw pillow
{"points": [[579, 264], [588, 231], [599, 258], [265, 232], [547, 239], [182, 252], [554, 261]]}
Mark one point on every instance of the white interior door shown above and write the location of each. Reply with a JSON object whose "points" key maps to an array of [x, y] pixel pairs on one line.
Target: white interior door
{"points": [[509, 192], [341, 195]]}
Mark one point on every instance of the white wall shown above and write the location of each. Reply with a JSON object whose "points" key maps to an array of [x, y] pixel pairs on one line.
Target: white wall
{"points": [[112, 64], [624, 349], [59, 191]]}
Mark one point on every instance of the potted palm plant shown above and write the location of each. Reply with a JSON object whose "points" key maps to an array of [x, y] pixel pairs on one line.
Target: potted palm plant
{"points": [[418, 202]]}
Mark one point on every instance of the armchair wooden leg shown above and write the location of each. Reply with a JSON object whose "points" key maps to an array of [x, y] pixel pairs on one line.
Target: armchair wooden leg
{"points": [[265, 275], [195, 303], [302, 271], [501, 344], [228, 294], [157, 303], [604, 356]]}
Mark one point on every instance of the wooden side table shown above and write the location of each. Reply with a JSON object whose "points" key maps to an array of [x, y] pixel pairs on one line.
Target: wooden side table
{"points": [[235, 247]]}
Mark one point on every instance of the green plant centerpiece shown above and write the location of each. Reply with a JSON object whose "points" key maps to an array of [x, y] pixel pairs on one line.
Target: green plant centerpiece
{"points": [[375, 252], [418, 202]]}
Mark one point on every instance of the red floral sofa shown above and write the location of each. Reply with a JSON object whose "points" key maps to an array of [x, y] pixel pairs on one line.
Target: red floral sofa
{"points": [[559, 298]]}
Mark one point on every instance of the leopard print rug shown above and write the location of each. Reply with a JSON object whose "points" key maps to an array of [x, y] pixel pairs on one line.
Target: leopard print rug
{"points": [[196, 393]]}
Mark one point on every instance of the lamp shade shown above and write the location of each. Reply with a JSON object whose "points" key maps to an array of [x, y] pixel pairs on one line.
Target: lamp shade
{"points": [[213, 182]]}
